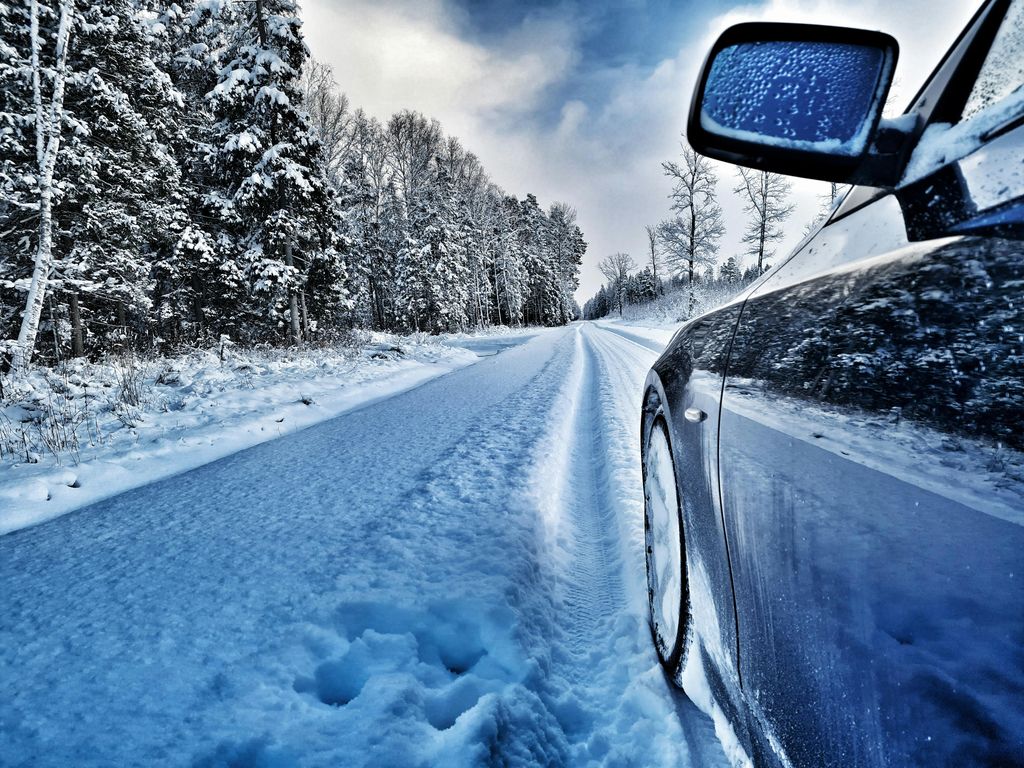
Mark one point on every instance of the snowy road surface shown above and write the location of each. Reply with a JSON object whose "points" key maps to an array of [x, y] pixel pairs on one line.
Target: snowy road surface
{"points": [[452, 576]]}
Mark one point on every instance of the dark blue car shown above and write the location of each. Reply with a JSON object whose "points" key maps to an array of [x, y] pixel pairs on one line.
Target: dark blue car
{"points": [[834, 462]]}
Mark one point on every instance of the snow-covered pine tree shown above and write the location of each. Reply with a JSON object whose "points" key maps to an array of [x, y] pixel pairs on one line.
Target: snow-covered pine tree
{"points": [[566, 246], [510, 277], [412, 289], [448, 268], [530, 225], [121, 178], [188, 276], [646, 286], [271, 196], [470, 202], [19, 200], [730, 271]]}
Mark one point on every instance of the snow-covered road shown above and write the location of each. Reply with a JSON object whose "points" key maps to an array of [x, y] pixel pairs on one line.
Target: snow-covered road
{"points": [[452, 576]]}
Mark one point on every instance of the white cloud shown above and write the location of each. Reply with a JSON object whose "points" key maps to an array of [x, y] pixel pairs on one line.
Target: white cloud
{"points": [[606, 159], [413, 55]]}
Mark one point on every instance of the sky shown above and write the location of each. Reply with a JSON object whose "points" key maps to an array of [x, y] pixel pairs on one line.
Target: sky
{"points": [[582, 100]]}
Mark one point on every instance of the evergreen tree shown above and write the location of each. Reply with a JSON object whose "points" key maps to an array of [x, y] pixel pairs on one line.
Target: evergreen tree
{"points": [[730, 271], [121, 194], [191, 279], [18, 166], [271, 198], [566, 245]]}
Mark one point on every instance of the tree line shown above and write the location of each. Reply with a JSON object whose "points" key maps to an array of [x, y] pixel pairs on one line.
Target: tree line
{"points": [[174, 172], [683, 250]]}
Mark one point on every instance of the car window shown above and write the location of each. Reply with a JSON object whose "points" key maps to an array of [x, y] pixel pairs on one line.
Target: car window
{"points": [[1003, 70]]}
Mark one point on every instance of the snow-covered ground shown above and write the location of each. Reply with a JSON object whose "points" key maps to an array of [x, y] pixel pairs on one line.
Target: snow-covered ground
{"points": [[451, 576], [190, 410]]}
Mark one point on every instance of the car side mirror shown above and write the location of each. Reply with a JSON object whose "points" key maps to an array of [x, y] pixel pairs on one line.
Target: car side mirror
{"points": [[799, 99]]}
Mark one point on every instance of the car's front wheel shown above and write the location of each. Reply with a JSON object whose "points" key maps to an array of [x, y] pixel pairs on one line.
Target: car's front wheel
{"points": [[666, 564]]}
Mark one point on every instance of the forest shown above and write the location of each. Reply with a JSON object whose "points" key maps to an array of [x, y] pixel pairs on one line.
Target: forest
{"points": [[177, 174]]}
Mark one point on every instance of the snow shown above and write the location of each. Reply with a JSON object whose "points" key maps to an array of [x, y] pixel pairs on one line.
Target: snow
{"points": [[451, 576], [197, 410], [942, 143], [696, 685], [653, 337]]}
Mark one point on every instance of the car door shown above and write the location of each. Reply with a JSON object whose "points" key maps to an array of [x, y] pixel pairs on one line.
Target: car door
{"points": [[684, 388], [872, 460]]}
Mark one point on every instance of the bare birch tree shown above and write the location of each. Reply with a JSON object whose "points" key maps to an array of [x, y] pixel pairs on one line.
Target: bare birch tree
{"points": [[616, 269], [765, 198], [329, 113], [653, 251], [690, 238], [829, 201], [48, 130]]}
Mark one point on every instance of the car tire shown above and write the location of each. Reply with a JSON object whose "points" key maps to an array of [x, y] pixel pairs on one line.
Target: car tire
{"points": [[664, 543]]}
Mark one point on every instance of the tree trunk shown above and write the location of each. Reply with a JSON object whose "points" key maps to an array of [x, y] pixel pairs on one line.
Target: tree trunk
{"points": [[764, 221], [48, 160], [498, 299], [53, 330], [77, 347], [760, 248], [293, 303], [304, 313], [693, 237]]}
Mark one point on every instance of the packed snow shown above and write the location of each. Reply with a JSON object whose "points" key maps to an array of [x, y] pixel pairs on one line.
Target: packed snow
{"points": [[449, 576]]}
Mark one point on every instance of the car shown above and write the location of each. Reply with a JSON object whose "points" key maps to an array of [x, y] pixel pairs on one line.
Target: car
{"points": [[833, 462]]}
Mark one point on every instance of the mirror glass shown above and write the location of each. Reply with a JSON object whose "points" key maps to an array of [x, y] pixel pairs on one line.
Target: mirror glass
{"points": [[795, 94]]}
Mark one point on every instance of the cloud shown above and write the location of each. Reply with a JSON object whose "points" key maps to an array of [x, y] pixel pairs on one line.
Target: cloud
{"points": [[390, 56], [600, 145]]}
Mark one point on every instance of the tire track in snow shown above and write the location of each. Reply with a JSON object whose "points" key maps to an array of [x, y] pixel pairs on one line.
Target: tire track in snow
{"points": [[595, 590], [617, 367], [604, 685]]}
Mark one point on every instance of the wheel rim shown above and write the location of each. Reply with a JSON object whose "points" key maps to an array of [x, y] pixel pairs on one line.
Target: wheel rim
{"points": [[664, 544]]}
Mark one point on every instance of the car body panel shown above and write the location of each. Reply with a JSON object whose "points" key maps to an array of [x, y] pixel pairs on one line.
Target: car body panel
{"points": [[694, 366], [876, 558]]}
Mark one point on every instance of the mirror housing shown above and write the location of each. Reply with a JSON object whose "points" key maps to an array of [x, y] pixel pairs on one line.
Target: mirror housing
{"points": [[799, 99]]}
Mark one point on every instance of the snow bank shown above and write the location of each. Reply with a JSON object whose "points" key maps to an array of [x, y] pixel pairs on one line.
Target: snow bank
{"points": [[92, 440]]}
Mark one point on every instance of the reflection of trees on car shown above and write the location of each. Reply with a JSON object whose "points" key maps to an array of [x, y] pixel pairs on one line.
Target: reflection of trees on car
{"points": [[938, 339]]}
